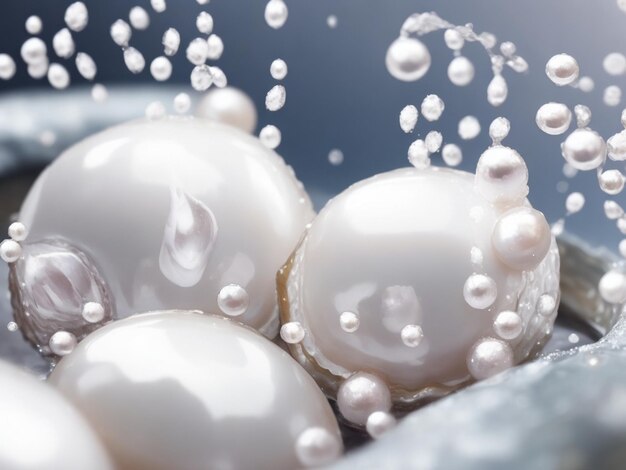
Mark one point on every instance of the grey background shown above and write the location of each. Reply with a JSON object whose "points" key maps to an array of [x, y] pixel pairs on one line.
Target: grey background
{"points": [[339, 94]]}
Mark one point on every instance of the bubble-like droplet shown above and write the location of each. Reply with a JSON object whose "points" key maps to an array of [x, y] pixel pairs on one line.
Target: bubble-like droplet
{"points": [[480, 291], [584, 149], [201, 78], [39, 69], [562, 69], [86, 66], [170, 41], [76, 16], [508, 325], [292, 332], [33, 24], [161, 68], [497, 90], [276, 13], [433, 141], [612, 95], [461, 71], [58, 76], [198, 51], [454, 39], [335, 157], [418, 154], [611, 181], [616, 146], [63, 43], [182, 103], [121, 33], [216, 47], [574, 203], [134, 60], [586, 84], [469, 128], [270, 136], [412, 335], [614, 63], [10, 251], [378, 423], [553, 118], [7, 67], [204, 22], [499, 129], [612, 287], [613, 210], [408, 118], [583, 115], [18, 231], [489, 357], [93, 312], [158, 5], [62, 343], [407, 59], [139, 18], [432, 107], [349, 322], [317, 447], [278, 69], [233, 300], [275, 98], [12, 326], [33, 51], [452, 155]]}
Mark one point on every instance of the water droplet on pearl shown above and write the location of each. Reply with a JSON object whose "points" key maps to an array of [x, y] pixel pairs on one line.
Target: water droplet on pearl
{"points": [[412, 335]]}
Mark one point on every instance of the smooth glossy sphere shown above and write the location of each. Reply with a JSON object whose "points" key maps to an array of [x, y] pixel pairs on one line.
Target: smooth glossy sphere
{"points": [[502, 176], [171, 211], [229, 106], [378, 423], [461, 71], [522, 238], [10, 251], [613, 287], [276, 13], [584, 149], [396, 250], [62, 343], [616, 146], [508, 325], [407, 59], [233, 300], [42, 430], [562, 69], [317, 446], [611, 181], [292, 332], [480, 291], [361, 395], [489, 357], [18, 231], [190, 391], [553, 118]]}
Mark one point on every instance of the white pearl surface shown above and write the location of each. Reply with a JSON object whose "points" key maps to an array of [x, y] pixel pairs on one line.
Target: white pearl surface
{"points": [[553, 118], [407, 59], [461, 71], [183, 390], [42, 430], [361, 395], [562, 69], [230, 106], [395, 249], [489, 357], [584, 149], [502, 176], [613, 287], [171, 211], [378, 423]]}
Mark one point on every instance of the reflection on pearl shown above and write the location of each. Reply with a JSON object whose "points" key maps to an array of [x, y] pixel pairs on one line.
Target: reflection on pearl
{"points": [[521, 238], [361, 395], [41, 430], [407, 59], [194, 391], [229, 106]]}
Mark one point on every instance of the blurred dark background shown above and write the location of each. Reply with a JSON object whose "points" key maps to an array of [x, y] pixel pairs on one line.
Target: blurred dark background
{"points": [[339, 94]]}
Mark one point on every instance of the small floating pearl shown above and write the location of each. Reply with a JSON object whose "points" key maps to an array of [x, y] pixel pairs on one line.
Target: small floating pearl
{"points": [[216, 47], [584, 149], [378, 423], [182, 103], [62, 343], [58, 76], [497, 91], [453, 39], [139, 18], [121, 33], [501, 175], [418, 154], [586, 84], [99, 93], [461, 71], [613, 210], [278, 69], [7, 67], [611, 181], [276, 13], [574, 202], [408, 118], [521, 238], [170, 41], [508, 325], [616, 146], [469, 128], [349, 322], [93, 312], [161, 69], [316, 447], [499, 130], [553, 118], [201, 78], [452, 154], [155, 111], [432, 107], [335, 157], [489, 357], [33, 51], [134, 60], [86, 66], [275, 98], [480, 291], [361, 395], [407, 59], [412, 335], [292, 332], [158, 5], [612, 287], [612, 95], [18, 232], [562, 69], [546, 305], [614, 63], [33, 25], [270, 136], [198, 51], [583, 115], [433, 141], [204, 22], [76, 16], [10, 251], [233, 300]]}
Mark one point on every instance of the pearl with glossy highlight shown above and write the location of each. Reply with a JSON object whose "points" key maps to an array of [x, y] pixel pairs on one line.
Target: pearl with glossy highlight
{"points": [[407, 59], [584, 149], [378, 423], [317, 446], [480, 291], [508, 325], [361, 395], [502, 176], [230, 106], [489, 357], [553, 118], [233, 300], [613, 287], [562, 69]]}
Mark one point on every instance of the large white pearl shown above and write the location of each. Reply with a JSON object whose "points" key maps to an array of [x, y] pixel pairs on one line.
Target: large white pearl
{"points": [[396, 250], [553, 118], [42, 430], [522, 238], [407, 59], [183, 390], [166, 214], [502, 176], [584, 149], [229, 106], [562, 69]]}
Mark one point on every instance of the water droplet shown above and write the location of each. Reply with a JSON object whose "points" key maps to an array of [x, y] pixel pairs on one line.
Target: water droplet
{"points": [[201, 78], [276, 13], [574, 203], [161, 69], [553, 118], [508, 49], [204, 22], [99, 93], [86, 66], [216, 47], [12, 326], [270, 136], [158, 5], [139, 18], [134, 60], [34, 51], [497, 91], [418, 155], [480, 291], [275, 98], [407, 59], [7, 67], [182, 103], [562, 69], [233, 300], [292, 332], [58, 76], [433, 141], [614, 63], [461, 71], [170, 41], [155, 111], [499, 130], [412, 335], [408, 118], [335, 157], [278, 69], [452, 154], [33, 25], [76, 16], [454, 39], [616, 146], [612, 95], [586, 84], [349, 322], [584, 149], [432, 107], [469, 128], [611, 181], [198, 51], [218, 76], [121, 33], [613, 210], [332, 21]]}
